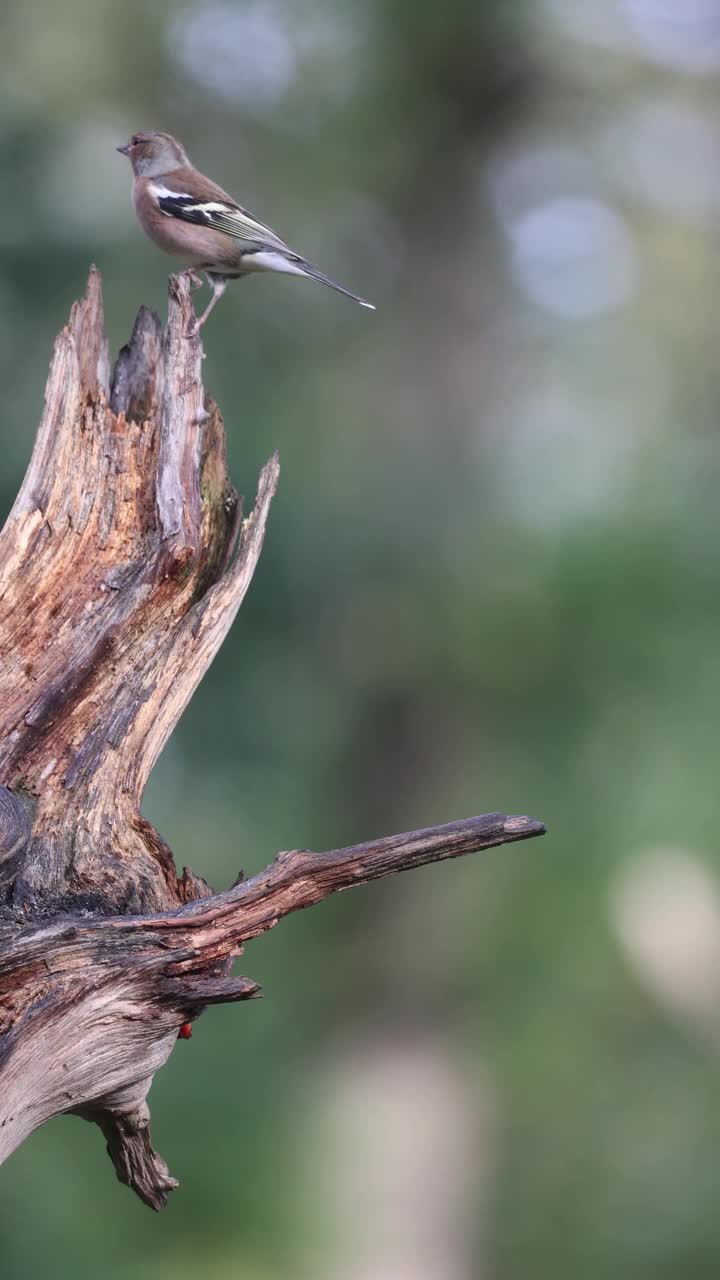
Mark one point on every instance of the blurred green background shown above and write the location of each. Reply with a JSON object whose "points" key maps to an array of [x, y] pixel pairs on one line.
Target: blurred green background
{"points": [[490, 582]]}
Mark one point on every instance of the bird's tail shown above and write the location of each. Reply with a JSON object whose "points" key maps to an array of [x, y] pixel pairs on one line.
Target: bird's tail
{"points": [[312, 272], [280, 258]]}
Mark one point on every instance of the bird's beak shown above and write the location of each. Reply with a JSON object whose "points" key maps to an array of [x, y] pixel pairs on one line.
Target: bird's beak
{"points": [[124, 150]]}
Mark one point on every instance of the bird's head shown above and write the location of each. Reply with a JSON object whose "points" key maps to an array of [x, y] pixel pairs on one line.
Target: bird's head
{"points": [[153, 154]]}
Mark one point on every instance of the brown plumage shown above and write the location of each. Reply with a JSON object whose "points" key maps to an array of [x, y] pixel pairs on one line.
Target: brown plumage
{"points": [[191, 217]]}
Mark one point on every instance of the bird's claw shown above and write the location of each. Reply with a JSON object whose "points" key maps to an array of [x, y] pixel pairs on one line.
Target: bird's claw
{"points": [[196, 281]]}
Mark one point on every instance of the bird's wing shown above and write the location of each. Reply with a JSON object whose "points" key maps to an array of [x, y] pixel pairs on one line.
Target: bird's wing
{"points": [[190, 196], [211, 207]]}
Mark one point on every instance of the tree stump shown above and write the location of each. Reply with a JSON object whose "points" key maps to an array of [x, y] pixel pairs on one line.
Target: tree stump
{"points": [[122, 565]]}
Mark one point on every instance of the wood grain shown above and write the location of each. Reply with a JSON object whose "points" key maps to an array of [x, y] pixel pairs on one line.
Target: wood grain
{"points": [[123, 564]]}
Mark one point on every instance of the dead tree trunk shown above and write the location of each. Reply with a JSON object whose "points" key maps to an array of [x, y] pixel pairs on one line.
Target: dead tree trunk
{"points": [[122, 566]]}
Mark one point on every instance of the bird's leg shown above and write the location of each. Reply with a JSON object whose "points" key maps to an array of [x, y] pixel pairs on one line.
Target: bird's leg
{"points": [[218, 284]]}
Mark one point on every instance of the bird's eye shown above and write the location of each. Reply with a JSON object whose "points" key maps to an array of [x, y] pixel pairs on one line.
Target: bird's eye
{"points": [[135, 141]]}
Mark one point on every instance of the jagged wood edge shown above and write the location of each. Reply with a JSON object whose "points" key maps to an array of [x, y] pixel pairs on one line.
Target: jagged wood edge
{"points": [[126, 984], [122, 565], [90, 1004]]}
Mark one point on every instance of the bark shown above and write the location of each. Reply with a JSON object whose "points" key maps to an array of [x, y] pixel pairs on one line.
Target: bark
{"points": [[122, 566]]}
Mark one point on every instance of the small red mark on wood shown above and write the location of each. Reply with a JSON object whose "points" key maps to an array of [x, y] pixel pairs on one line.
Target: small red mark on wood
{"points": [[185, 1032]]}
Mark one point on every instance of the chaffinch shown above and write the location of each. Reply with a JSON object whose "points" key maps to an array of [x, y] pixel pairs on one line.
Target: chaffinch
{"points": [[187, 215]]}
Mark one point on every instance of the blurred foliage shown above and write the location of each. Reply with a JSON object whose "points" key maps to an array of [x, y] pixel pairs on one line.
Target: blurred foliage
{"points": [[490, 582]]}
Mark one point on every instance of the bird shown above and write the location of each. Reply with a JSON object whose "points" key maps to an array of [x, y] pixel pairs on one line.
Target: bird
{"points": [[188, 215]]}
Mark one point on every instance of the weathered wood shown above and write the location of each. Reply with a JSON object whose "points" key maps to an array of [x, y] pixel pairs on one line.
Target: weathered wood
{"points": [[122, 565], [116, 590]]}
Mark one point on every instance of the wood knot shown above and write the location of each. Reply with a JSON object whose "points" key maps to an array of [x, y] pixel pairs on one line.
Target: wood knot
{"points": [[14, 825], [181, 559], [176, 562]]}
